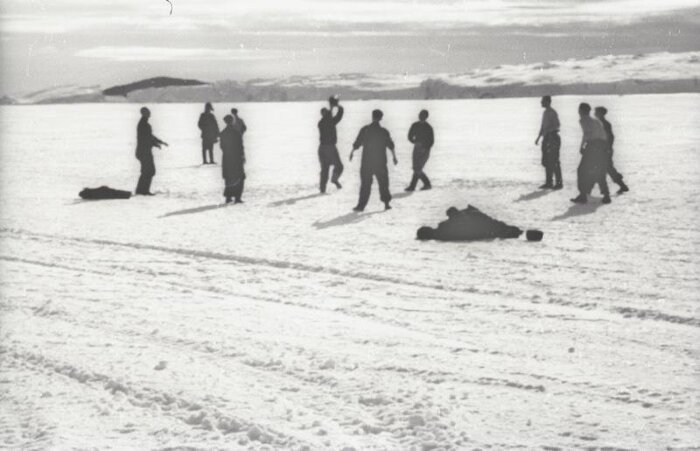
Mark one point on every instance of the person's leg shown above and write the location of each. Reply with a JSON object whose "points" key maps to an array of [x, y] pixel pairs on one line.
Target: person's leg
{"points": [[228, 189], [204, 152], [148, 171], [238, 191], [366, 177], [325, 168], [581, 182], [383, 181], [337, 167], [556, 168], [426, 181], [211, 152]]}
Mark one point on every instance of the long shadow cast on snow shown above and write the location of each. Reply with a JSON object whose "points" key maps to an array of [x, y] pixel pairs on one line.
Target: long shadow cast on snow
{"points": [[580, 209], [190, 211], [294, 200], [350, 218], [533, 195]]}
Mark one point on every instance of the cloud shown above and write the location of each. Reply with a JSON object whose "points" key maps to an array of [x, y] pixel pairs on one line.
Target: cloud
{"points": [[159, 54]]}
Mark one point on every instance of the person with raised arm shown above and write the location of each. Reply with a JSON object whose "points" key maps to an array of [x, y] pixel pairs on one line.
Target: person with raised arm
{"points": [[327, 150]]}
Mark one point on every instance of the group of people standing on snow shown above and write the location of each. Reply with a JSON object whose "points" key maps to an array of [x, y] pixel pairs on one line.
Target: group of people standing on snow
{"points": [[596, 152]]}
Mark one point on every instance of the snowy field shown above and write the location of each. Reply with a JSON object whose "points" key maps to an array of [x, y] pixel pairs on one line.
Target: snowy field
{"points": [[289, 322]]}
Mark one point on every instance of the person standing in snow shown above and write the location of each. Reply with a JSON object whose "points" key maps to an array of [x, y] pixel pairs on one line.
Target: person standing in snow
{"points": [[232, 160], [327, 149], [210, 133], [422, 136], [374, 140], [551, 143], [616, 177], [594, 157], [145, 142]]}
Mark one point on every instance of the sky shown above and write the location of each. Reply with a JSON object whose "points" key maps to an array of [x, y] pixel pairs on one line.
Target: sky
{"points": [[48, 43]]}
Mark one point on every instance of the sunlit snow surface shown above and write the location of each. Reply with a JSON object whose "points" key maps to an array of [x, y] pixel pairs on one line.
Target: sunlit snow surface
{"points": [[290, 322]]}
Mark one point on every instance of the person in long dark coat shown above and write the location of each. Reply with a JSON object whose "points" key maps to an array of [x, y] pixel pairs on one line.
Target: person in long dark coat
{"points": [[327, 150], [145, 142], [594, 157], [551, 143], [210, 133], [422, 136], [233, 160], [616, 177], [374, 140]]}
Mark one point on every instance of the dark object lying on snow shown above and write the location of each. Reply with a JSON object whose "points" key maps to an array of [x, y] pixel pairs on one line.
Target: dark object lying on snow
{"points": [[534, 235], [104, 192], [468, 225]]}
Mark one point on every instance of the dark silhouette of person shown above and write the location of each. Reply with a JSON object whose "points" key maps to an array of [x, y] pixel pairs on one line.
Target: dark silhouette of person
{"points": [[468, 225], [327, 149], [238, 122], [422, 136], [594, 157], [232, 160], [551, 143], [145, 142], [616, 177], [210, 133], [374, 140]]}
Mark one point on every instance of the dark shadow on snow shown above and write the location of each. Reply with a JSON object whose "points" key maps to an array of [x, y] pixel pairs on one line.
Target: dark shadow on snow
{"points": [[190, 211], [350, 218], [294, 200], [402, 195], [591, 206], [533, 195]]}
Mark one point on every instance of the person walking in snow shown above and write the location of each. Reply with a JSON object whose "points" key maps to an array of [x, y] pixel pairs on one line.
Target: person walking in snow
{"points": [[594, 157], [232, 160], [422, 136], [616, 177], [327, 150], [551, 143], [210, 133], [145, 142], [374, 140]]}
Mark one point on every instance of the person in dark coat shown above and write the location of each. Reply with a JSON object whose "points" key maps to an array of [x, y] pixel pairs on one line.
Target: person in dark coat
{"points": [[551, 143], [145, 142], [374, 140], [616, 177], [422, 136], [210, 133], [327, 149], [594, 157], [468, 225], [232, 160], [238, 122]]}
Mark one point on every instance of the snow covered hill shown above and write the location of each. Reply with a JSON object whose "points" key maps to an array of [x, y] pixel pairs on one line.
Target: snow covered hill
{"points": [[611, 74]]}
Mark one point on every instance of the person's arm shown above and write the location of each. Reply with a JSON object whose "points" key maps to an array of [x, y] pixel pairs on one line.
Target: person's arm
{"points": [[544, 118], [339, 115], [243, 126], [390, 145], [358, 142], [412, 133], [431, 137], [200, 123]]}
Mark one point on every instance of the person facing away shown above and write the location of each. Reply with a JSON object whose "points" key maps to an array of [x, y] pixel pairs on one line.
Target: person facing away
{"points": [[232, 160], [210, 133], [616, 177], [238, 122], [145, 142], [594, 157], [551, 144], [327, 150], [422, 136], [374, 140]]}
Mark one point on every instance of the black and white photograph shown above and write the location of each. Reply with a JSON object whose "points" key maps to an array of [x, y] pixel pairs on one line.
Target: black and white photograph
{"points": [[350, 225]]}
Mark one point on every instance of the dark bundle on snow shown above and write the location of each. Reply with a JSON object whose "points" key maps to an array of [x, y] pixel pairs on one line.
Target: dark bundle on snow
{"points": [[104, 192], [469, 224]]}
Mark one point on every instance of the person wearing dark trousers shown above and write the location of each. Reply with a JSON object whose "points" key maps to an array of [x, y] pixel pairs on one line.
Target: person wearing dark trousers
{"points": [[210, 133], [594, 157], [374, 140], [327, 149], [551, 144], [422, 136], [232, 160], [145, 142], [616, 177]]}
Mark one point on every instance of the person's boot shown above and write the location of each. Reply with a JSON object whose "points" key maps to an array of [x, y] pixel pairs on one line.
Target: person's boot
{"points": [[238, 201], [606, 199], [546, 186], [410, 188], [623, 188], [580, 199], [558, 186], [337, 184], [426, 187], [228, 199], [387, 206], [358, 209]]}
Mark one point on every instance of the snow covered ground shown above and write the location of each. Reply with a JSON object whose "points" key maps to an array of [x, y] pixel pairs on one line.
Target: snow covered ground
{"points": [[289, 322]]}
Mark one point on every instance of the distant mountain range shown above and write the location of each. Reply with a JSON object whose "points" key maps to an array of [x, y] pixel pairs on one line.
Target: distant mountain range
{"points": [[610, 74]]}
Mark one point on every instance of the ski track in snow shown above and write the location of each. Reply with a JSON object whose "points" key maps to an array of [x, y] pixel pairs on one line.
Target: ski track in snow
{"points": [[287, 323]]}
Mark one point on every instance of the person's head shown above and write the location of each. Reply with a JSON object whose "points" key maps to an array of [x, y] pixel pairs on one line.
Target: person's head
{"points": [[425, 233], [546, 101], [228, 119], [333, 100], [377, 115], [145, 112], [452, 212], [600, 112], [325, 112], [234, 111], [584, 109], [208, 107], [423, 115]]}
